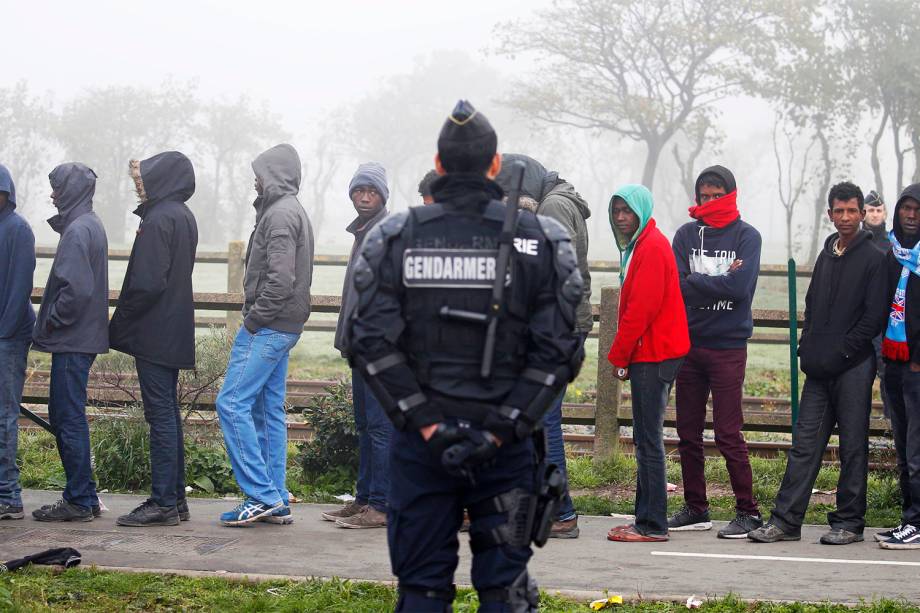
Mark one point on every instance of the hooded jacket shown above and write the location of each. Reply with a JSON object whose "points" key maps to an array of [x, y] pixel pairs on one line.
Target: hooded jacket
{"points": [[558, 200], [17, 265], [155, 316], [359, 228], [845, 308], [718, 301], [893, 273], [279, 258], [74, 314], [879, 236], [652, 319]]}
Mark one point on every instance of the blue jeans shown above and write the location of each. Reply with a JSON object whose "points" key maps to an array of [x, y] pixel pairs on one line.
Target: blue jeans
{"points": [[167, 451], [251, 411], [13, 358], [650, 383], [67, 413], [374, 433], [555, 453]]}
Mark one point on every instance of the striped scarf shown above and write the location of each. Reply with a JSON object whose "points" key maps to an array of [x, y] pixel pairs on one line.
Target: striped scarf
{"points": [[894, 345]]}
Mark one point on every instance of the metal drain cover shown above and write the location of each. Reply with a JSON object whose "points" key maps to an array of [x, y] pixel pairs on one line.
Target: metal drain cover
{"points": [[165, 544]]}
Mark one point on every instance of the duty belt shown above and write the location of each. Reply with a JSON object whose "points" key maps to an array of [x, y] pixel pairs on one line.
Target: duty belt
{"points": [[463, 409]]}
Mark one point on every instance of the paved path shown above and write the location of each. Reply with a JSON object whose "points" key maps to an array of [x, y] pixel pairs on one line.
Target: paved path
{"points": [[691, 563]]}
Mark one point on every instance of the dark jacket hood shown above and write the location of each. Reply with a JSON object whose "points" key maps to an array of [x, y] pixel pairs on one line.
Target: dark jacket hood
{"points": [[466, 190], [166, 176], [720, 171], [567, 190], [74, 184], [538, 181], [7, 185], [279, 171], [911, 191], [862, 236]]}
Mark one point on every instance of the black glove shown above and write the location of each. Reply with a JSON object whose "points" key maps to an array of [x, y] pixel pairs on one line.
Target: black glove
{"points": [[461, 450]]}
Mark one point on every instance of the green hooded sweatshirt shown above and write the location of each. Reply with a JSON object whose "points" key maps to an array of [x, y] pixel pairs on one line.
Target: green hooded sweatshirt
{"points": [[639, 200]]}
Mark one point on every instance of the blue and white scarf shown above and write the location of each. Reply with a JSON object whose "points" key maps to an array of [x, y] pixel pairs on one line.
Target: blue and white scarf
{"points": [[894, 345]]}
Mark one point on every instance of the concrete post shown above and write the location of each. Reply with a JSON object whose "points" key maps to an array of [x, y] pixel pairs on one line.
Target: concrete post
{"points": [[235, 270], [609, 388]]}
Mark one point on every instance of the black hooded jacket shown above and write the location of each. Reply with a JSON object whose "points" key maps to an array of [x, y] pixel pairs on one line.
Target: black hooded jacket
{"points": [[893, 268], [155, 316], [845, 308]]}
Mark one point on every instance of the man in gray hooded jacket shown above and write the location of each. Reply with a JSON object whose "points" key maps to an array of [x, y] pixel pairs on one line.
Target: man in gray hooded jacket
{"points": [[73, 326], [279, 269]]}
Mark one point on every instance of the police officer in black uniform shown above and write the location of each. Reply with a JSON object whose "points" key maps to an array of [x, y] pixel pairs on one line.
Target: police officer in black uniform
{"points": [[465, 410]]}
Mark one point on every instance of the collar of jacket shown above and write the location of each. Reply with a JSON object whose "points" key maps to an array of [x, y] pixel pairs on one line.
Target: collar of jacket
{"points": [[360, 223], [862, 236], [465, 191], [7, 211], [60, 222]]}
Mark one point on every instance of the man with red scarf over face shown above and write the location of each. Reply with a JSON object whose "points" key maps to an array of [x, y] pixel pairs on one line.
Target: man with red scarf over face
{"points": [[718, 260]]}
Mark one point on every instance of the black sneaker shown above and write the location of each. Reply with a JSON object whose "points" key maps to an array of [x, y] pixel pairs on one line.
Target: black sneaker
{"points": [[884, 535], [63, 511], [8, 511], [739, 527], [687, 519], [150, 514], [771, 533], [908, 537], [182, 508]]}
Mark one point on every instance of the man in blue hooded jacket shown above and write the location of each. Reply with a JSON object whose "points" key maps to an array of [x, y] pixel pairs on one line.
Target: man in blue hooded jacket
{"points": [[17, 264]]}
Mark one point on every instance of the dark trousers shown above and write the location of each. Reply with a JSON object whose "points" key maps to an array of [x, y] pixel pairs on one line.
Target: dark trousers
{"points": [[904, 402], [14, 355], [650, 385], [721, 372], [844, 401], [375, 430], [67, 413], [167, 449], [426, 511], [555, 453]]}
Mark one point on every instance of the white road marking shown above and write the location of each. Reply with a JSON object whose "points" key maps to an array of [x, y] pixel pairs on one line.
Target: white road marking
{"points": [[681, 554]]}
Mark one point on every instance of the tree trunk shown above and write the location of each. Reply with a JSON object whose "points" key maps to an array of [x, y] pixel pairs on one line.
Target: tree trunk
{"points": [[915, 142], [899, 154], [876, 164], [651, 163], [821, 196]]}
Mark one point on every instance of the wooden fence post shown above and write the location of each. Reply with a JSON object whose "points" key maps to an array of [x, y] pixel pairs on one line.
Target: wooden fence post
{"points": [[609, 388], [235, 271]]}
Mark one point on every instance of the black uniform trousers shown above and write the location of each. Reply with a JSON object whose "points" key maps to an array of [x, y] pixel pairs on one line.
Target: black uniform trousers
{"points": [[426, 512]]}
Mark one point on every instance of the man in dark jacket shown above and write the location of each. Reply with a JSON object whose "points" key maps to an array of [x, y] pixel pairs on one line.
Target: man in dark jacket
{"points": [[368, 192], [718, 260], [17, 254], [844, 310], [901, 350], [73, 326], [876, 220], [558, 200], [279, 269], [155, 322]]}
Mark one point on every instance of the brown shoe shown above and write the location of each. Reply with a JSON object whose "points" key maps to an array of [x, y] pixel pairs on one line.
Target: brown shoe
{"points": [[631, 535], [368, 518], [565, 529], [350, 509]]}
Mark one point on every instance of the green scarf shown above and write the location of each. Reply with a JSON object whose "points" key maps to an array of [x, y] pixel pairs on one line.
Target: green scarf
{"points": [[640, 201]]}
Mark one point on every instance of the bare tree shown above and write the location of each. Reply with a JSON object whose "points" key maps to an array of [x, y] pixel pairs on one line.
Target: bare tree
{"points": [[792, 172], [321, 162]]}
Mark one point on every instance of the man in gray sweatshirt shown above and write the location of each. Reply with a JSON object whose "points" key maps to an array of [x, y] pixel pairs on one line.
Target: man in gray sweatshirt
{"points": [[73, 326], [279, 269]]}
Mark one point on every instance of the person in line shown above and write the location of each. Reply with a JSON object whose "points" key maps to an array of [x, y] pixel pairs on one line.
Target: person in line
{"points": [[424, 186], [250, 405], [465, 423], [877, 223], [369, 193], [901, 351], [154, 321], [73, 326], [845, 309], [557, 199], [651, 342], [17, 252], [718, 260]]}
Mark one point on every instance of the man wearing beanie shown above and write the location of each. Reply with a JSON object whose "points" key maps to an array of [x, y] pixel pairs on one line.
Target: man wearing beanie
{"points": [[466, 355], [368, 193], [718, 259]]}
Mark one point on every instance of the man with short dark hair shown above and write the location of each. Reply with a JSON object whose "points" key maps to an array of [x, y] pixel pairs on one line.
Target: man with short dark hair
{"points": [[844, 310], [369, 194], [877, 220], [424, 186], [901, 350], [718, 260], [17, 252]]}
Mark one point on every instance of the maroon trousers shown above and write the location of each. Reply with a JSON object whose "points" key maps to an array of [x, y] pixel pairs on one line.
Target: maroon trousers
{"points": [[721, 372]]}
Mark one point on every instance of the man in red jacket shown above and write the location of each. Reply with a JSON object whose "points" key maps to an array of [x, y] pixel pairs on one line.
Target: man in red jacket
{"points": [[651, 341]]}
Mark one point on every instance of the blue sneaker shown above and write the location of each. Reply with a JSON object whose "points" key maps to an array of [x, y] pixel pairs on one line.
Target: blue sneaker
{"points": [[282, 516], [248, 511]]}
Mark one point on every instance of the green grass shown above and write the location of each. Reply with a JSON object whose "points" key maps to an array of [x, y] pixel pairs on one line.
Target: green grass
{"points": [[37, 590]]}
